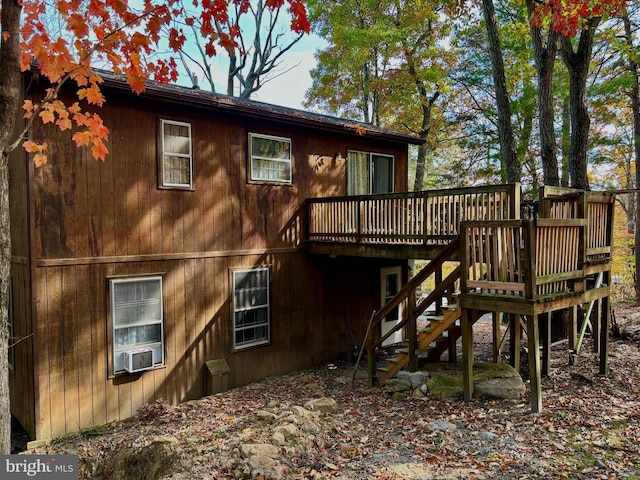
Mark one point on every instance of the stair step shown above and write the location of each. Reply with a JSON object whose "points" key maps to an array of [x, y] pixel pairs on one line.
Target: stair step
{"points": [[419, 353], [435, 318]]}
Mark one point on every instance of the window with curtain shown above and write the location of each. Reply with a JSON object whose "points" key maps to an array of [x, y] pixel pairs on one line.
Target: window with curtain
{"points": [[270, 159], [176, 162], [369, 173]]}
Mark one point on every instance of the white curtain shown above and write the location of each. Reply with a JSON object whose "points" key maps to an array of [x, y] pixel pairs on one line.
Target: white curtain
{"points": [[358, 173]]}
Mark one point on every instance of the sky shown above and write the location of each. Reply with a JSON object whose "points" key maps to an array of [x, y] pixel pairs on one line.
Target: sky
{"points": [[286, 89], [289, 88]]}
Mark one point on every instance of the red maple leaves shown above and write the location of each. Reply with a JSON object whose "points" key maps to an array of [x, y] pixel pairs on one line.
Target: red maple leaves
{"points": [[120, 37], [569, 16]]}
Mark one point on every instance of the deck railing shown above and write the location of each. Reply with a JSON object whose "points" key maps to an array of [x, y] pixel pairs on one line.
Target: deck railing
{"points": [[522, 258], [557, 202], [415, 218]]}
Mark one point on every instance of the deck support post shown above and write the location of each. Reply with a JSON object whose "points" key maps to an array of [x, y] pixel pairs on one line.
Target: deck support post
{"points": [[595, 326], [438, 280], [467, 354], [604, 336], [573, 327], [496, 337], [514, 343], [546, 343], [412, 331], [534, 363]]}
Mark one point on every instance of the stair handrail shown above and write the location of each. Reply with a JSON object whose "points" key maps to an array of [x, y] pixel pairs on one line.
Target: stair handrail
{"points": [[408, 292]]}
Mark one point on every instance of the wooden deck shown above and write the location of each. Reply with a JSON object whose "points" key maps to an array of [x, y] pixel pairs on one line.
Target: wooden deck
{"points": [[526, 268], [403, 225]]}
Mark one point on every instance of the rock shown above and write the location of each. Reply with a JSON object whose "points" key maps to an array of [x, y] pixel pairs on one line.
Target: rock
{"points": [[424, 389], [157, 459], [288, 430], [399, 396], [630, 332], [302, 412], [397, 385], [266, 417], [266, 467], [489, 437], [260, 449], [325, 405], [417, 393], [445, 384], [278, 438], [441, 426], [493, 380], [417, 379], [497, 381], [506, 388]]}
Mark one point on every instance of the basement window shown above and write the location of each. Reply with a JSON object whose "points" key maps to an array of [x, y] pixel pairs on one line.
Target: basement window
{"points": [[137, 321], [270, 159], [176, 164], [251, 309]]}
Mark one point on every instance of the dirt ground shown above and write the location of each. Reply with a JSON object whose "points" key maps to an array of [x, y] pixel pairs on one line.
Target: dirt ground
{"points": [[588, 429]]}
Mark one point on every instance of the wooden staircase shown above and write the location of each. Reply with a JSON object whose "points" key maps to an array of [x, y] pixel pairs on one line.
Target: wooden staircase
{"points": [[439, 336], [443, 327]]}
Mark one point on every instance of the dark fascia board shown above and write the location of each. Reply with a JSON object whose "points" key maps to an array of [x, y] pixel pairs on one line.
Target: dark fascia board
{"points": [[201, 99]]}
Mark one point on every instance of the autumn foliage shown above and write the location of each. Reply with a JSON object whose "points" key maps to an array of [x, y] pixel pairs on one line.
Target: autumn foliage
{"points": [[569, 16], [65, 39]]}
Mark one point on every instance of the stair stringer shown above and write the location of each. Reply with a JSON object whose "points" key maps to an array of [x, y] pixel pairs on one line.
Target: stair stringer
{"points": [[425, 338]]}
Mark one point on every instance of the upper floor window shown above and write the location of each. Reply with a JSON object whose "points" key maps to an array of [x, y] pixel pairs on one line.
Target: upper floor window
{"points": [[137, 323], [369, 173], [177, 162], [270, 159], [250, 307]]}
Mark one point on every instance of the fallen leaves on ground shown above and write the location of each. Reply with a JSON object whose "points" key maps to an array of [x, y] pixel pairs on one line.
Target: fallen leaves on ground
{"points": [[588, 428]]}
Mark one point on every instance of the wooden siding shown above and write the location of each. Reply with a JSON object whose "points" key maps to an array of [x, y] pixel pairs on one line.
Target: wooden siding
{"points": [[95, 220], [308, 328], [91, 209]]}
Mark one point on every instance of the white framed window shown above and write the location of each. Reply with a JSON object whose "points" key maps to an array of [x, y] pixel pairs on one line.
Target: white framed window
{"points": [[251, 308], [11, 331], [369, 173], [176, 164], [270, 159], [137, 320]]}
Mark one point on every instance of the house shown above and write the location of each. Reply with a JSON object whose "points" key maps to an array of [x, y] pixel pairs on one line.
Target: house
{"points": [[181, 259], [225, 240]]}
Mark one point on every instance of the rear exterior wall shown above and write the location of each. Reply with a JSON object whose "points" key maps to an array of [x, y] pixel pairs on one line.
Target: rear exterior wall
{"points": [[94, 220]]}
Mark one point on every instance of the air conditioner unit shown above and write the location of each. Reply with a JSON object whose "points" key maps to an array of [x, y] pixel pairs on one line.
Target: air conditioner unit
{"points": [[138, 360]]}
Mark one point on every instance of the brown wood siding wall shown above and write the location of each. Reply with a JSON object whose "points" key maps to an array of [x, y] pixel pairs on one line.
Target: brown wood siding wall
{"points": [[100, 219], [311, 300]]}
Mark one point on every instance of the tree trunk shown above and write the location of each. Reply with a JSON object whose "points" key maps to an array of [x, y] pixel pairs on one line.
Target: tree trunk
{"points": [[10, 81], [545, 58], [427, 105], [635, 107], [505, 130], [566, 142], [577, 63]]}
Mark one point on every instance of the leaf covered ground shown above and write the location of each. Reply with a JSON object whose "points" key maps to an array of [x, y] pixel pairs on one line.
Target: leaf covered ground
{"points": [[589, 429]]}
